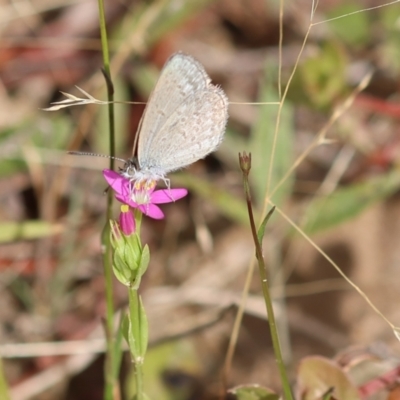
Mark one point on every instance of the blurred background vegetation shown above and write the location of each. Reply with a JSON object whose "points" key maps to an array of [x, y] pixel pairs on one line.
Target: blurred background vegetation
{"points": [[343, 192]]}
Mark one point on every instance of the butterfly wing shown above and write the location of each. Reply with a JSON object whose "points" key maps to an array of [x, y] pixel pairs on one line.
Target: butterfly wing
{"points": [[185, 117]]}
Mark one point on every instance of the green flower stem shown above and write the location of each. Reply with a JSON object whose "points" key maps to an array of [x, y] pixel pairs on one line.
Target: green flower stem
{"points": [[111, 385], [245, 164], [139, 381], [110, 87], [137, 343]]}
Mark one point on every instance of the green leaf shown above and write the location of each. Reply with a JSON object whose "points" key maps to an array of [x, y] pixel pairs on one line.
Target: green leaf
{"points": [[164, 18], [261, 144], [388, 52], [177, 355], [329, 394], [355, 30], [170, 17], [261, 229], [125, 327], [230, 206], [3, 384], [121, 265], [254, 392], [138, 327], [144, 329], [145, 260], [117, 348], [323, 77], [120, 272], [12, 231], [348, 202], [143, 263], [40, 137]]}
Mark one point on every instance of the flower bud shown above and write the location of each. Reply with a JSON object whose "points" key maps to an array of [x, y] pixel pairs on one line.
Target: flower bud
{"points": [[130, 259]]}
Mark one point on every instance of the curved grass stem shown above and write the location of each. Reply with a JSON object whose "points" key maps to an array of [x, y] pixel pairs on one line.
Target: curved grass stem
{"points": [[245, 165]]}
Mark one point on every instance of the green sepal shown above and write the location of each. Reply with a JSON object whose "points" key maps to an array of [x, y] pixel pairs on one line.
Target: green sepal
{"points": [[143, 264], [127, 256]]}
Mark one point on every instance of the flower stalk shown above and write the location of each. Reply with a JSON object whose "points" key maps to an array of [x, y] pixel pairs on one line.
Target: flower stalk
{"points": [[130, 259], [245, 165], [136, 335], [130, 262], [111, 368]]}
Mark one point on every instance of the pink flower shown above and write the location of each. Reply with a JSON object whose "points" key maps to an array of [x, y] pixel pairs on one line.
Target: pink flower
{"points": [[141, 194]]}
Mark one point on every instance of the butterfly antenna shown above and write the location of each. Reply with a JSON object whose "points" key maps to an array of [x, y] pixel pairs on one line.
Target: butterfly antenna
{"points": [[84, 153]]}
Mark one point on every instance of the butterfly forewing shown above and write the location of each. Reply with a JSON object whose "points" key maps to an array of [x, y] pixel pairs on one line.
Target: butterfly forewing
{"points": [[190, 133], [185, 117]]}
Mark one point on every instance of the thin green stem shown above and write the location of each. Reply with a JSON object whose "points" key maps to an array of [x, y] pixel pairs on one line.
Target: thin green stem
{"points": [[245, 163], [107, 74], [139, 381], [109, 367], [136, 323], [111, 388]]}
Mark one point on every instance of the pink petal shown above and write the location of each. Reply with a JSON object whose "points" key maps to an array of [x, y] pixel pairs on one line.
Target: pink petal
{"points": [[167, 195], [127, 222], [117, 182], [152, 211]]}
